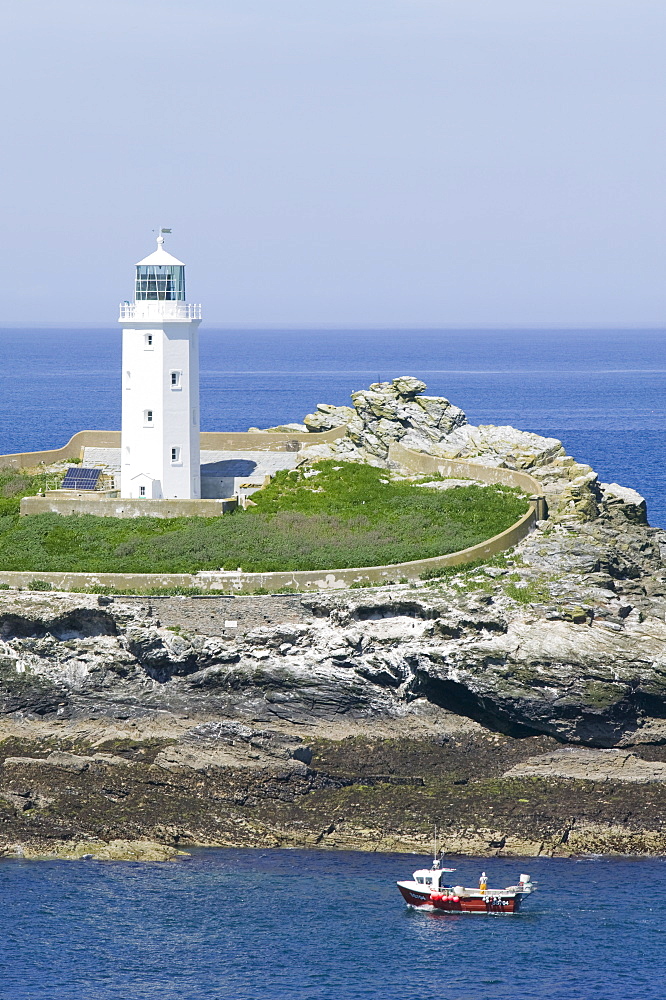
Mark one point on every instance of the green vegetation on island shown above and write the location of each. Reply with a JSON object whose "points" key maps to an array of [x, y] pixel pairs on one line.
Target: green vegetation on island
{"points": [[332, 515], [16, 484]]}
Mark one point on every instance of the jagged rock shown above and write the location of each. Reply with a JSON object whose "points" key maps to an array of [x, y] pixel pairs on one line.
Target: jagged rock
{"points": [[579, 682], [327, 417], [625, 502], [388, 411], [504, 447], [160, 652], [43, 615], [408, 387], [564, 643]]}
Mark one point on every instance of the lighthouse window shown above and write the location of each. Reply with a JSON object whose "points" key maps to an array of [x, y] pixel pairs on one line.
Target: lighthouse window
{"points": [[148, 418], [175, 454], [175, 380], [149, 342], [160, 281]]}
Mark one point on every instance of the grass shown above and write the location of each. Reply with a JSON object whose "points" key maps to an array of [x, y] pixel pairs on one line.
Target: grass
{"points": [[332, 516], [15, 484], [532, 592]]}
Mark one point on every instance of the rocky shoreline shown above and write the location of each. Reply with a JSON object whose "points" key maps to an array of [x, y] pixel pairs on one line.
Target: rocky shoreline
{"points": [[520, 705]]}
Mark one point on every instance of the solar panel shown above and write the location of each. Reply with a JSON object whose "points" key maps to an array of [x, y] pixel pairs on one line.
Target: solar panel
{"points": [[77, 478]]}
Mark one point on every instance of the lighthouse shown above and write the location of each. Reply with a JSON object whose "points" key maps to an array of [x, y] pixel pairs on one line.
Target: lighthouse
{"points": [[160, 384]]}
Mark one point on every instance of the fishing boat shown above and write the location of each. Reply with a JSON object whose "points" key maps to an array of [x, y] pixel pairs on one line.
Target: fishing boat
{"points": [[431, 888]]}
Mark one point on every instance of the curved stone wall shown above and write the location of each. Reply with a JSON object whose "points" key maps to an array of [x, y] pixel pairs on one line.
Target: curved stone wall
{"points": [[332, 579], [419, 463], [73, 449], [298, 580], [210, 441]]}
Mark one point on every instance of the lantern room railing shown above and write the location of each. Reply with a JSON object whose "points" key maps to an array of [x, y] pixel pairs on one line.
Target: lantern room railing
{"points": [[151, 309]]}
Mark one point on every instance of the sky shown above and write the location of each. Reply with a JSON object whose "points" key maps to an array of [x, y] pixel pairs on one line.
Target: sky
{"points": [[337, 163]]}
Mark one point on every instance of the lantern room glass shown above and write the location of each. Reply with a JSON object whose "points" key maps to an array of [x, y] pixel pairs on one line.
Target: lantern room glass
{"points": [[160, 281]]}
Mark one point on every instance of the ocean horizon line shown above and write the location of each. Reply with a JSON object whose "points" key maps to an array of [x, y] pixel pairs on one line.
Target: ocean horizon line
{"points": [[366, 328]]}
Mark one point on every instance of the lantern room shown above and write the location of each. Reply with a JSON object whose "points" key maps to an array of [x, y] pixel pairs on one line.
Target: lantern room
{"points": [[160, 276]]}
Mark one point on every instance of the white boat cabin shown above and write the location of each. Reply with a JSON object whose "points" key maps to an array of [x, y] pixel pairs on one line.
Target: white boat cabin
{"points": [[433, 878], [436, 879]]}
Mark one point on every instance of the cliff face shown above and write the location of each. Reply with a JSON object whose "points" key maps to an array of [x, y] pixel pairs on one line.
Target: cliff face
{"points": [[521, 705]]}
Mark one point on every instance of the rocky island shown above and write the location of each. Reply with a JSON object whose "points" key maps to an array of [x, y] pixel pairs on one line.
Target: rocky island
{"points": [[519, 703]]}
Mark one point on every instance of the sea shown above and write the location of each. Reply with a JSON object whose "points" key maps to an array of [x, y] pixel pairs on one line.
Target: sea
{"points": [[230, 924], [601, 392]]}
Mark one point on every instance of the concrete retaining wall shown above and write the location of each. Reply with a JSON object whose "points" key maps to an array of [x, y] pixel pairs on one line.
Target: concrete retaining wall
{"points": [[419, 463], [340, 579], [115, 507], [93, 581], [73, 449], [234, 582], [210, 441], [265, 440]]}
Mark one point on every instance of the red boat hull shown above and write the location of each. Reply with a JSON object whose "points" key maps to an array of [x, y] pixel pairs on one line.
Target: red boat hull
{"points": [[462, 904]]}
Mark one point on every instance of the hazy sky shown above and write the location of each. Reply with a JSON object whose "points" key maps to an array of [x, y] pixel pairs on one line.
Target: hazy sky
{"points": [[338, 162]]}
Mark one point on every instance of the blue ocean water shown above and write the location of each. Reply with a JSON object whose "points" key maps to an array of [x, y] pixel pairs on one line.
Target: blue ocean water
{"points": [[600, 391], [298, 925]]}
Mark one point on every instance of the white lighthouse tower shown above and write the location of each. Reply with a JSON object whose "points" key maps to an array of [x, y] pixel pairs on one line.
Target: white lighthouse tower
{"points": [[160, 409]]}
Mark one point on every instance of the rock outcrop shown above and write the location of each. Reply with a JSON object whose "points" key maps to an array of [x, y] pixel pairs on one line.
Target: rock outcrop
{"points": [[590, 765], [95, 849], [326, 417], [622, 501], [395, 411]]}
